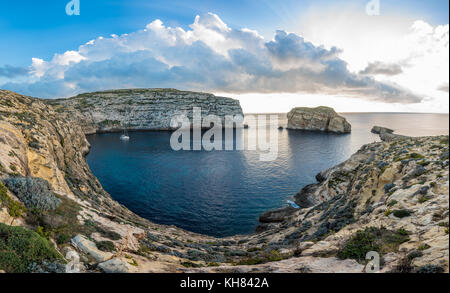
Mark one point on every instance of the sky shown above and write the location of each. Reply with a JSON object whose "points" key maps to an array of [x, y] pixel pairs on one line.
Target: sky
{"points": [[271, 55]]}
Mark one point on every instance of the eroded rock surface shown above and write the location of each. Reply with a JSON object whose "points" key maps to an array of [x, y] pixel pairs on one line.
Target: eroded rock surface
{"points": [[317, 119], [140, 109]]}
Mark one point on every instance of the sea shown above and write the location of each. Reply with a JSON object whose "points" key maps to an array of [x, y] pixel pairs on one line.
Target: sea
{"points": [[223, 193]]}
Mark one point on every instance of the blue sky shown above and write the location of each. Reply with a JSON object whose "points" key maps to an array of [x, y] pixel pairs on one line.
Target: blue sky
{"points": [[298, 51], [32, 28]]}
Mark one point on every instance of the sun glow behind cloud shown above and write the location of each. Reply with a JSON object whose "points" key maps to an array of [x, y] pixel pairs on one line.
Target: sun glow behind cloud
{"points": [[415, 52]]}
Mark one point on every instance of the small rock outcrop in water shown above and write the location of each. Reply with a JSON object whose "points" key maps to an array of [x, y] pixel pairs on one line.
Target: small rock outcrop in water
{"points": [[386, 134], [317, 119], [380, 129], [140, 109]]}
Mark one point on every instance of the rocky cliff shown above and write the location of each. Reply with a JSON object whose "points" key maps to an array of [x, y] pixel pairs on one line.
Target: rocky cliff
{"points": [[46, 186], [390, 197], [317, 119], [139, 109]]}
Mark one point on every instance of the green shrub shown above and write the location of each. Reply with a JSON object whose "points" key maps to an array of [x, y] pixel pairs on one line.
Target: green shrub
{"points": [[403, 231], [423, 247], [392, 203], [62, 238], [423, 199], [106, 246], [414, 254], [430, 269], [188, 264], [15, 209], [402, 213], [263, 257], [253, 249], [20, 247], [380, 240], [416, 156], [444, 141]]}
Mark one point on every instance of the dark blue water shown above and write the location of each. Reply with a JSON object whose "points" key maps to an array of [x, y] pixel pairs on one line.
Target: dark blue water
{"points": [[222, 193]]}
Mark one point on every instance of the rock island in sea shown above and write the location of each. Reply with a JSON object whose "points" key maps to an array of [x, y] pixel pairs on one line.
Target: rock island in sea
{"points": [[317, 119]]}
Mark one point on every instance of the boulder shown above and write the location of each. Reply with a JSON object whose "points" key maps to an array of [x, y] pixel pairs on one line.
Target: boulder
{"points": [[380, 129], [317, 119], [117, 265], [89, 247]]}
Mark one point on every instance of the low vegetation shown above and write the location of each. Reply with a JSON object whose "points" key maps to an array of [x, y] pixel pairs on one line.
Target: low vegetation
{"points": [[33, 192], [105, 246], [380, 240], [19, 248], [15, 209], [262, 257], [402, 213]]}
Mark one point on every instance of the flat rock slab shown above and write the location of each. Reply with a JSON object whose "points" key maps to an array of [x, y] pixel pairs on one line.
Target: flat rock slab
{"points": [[89, 247], [117, 265]]}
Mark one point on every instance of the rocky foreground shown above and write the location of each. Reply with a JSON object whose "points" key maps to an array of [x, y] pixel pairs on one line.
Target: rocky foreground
{"points": [[391, 197]]}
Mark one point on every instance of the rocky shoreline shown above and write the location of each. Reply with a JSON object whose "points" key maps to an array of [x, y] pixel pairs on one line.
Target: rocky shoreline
{"points": [[392, 195]]}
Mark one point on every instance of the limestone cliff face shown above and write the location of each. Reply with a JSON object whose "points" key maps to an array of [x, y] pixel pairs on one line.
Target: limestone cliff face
{"points": [[139, 109], [38, 142], [317, 119]]}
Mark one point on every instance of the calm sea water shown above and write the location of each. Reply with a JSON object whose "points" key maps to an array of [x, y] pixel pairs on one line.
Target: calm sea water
{"points": [[222, 193]]}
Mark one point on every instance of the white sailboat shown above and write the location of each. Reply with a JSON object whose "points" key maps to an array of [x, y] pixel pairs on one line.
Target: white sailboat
{"points": [[125, 136]]}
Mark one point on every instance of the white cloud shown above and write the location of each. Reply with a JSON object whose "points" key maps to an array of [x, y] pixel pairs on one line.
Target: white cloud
{"points": [[210, 56], [417, 52], [39, 67]]}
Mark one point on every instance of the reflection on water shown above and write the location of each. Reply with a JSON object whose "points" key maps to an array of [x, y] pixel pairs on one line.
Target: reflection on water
{"points": [[222, 193]]}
